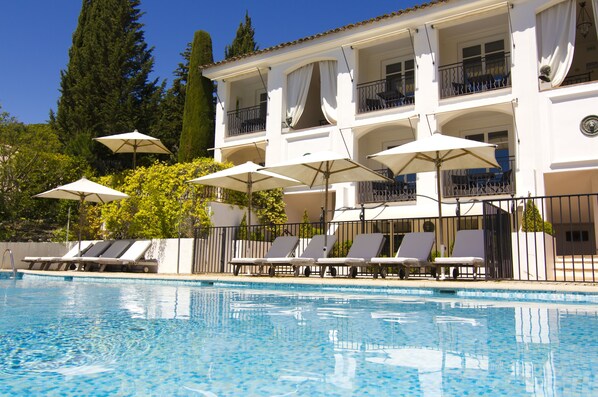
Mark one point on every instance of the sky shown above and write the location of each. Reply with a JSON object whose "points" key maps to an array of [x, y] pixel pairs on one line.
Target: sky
{"points": [[35, 36]]}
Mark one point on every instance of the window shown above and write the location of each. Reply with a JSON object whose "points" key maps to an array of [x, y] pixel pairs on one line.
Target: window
{"points": [[400, 76], [501, 140], [484, 58]]}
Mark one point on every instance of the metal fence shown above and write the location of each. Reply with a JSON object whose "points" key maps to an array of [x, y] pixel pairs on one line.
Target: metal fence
{"points": [[531, 239], [473, 76], [246, 120]]}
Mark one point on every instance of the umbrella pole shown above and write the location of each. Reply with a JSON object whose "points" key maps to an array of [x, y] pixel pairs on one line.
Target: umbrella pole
{"points": [[327, 178], [440, 228], [80, 224], [249, 194], [134, 157]]}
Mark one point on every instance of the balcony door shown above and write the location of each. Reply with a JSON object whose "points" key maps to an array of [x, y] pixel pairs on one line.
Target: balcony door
{"points": [[400, 76], [483, 58], [501, 140]]}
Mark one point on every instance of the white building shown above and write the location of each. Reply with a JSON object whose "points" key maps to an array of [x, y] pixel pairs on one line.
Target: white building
{"points": [[467, 68]]}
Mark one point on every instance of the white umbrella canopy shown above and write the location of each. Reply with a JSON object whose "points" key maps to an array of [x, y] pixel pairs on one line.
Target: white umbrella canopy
{"points": [[324, 168], [444, 151], [435, 153], [247, 178], [133, 142], [83, 190]]}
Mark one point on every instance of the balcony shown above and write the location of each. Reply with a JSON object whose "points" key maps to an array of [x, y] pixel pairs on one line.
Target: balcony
{"points": [[479, 182], [380, 94], [577, 79], [380, 192], [246, 120], [485, 74]]}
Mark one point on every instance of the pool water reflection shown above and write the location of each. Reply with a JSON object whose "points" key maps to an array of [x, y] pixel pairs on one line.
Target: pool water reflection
{"points": [[83, 338]]}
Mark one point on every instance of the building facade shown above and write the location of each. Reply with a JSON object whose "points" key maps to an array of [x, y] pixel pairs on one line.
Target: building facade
{"points": [[521, 74]]}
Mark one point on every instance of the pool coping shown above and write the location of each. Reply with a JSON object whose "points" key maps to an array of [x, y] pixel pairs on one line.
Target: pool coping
{"points": [[474, 285]]}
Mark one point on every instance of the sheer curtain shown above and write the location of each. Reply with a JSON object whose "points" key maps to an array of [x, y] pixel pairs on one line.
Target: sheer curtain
{"points": [[328, 75], [555, 35], [297, 89]]}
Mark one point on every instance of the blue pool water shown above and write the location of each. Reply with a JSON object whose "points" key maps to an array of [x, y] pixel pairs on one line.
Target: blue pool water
{"points": [[73, 338]]}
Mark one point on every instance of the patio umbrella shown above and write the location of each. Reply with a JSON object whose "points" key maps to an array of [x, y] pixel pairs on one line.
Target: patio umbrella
{"points": [[324, 168], [435, 153], [246, 178], [133, 142], [83, 190]]}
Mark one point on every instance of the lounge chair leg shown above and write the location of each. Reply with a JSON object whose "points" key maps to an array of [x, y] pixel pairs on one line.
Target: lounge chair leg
{"points": [[307, 271], [455, 273], [333, 271], [236, 270], [353, 272], [402, 273], [322, 271], [296, 271], [271, 271]]}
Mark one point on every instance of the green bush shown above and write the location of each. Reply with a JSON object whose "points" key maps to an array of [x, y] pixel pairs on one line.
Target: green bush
{"points": [[307, 229], [532, 220]]}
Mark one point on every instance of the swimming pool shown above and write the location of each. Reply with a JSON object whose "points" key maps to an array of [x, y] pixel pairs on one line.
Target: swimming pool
{"points": [[83, 337]]}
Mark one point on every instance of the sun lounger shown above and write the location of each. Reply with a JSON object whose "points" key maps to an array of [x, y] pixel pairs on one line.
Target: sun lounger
{"points": [[95, 251], [46, 261], [364, 248], [413, 252], [467, 252], [133, 256], [313, 251], [282, 247], [116, 249]]}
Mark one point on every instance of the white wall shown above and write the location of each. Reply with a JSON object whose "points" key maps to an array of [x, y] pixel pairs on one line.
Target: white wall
{"points": [[172, 257]]}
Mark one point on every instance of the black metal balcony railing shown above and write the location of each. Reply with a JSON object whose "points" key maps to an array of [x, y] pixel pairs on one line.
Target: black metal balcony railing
{"points": [[384, 94], [478, 182], [246, 120], [465, 78], [380, 192], [577, 78]]}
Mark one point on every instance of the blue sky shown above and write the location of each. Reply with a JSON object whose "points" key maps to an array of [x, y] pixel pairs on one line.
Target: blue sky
{"points": [[35, 36]]}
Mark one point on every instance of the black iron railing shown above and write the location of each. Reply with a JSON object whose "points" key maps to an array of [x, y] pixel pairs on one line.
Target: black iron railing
{"points": [[577, 78], [485, 74], [479, 182], [385, 94], [246, 120], [402, 189], [551, 238], [530, 239]]}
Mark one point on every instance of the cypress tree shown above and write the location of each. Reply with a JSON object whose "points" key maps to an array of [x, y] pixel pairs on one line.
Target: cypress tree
{"points": [[244, 41], [105, 88], [170, 120], [198, 117]]}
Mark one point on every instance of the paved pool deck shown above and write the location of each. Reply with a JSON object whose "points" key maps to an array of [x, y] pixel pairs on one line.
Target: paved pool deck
{"points": [[506, 285]]}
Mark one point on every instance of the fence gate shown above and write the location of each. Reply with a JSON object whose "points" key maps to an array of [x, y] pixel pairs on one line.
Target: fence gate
{"points": [[497, 239]]}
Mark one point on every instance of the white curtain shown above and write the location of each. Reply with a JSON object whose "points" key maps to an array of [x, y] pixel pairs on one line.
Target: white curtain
{"points": [[555, 35], [328, 75], [297, 89], [595, 7]]}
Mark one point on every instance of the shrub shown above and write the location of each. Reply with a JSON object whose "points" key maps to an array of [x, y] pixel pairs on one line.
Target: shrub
{"points": [[532, 220]]}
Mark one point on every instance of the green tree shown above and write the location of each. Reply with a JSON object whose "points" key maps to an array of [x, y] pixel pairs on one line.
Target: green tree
{"points": [[105, 88], [30, 163], [198, 117], [169, 125], [243, 42]]}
